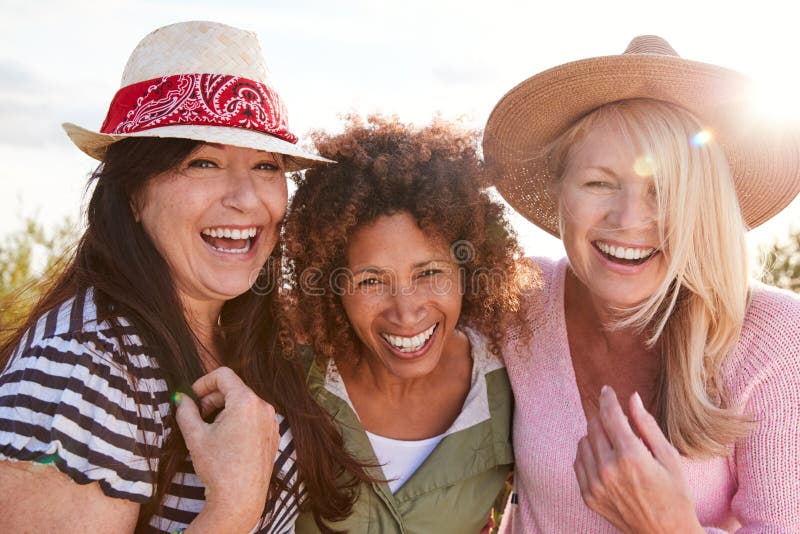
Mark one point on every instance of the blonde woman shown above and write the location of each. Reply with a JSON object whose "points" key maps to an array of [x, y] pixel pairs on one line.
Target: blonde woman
{"points": [[660, 391]]}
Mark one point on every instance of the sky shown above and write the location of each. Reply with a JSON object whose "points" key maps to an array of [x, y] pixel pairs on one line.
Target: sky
{"points": [[62, 61]]}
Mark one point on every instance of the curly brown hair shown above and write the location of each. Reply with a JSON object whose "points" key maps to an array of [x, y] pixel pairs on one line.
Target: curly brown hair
{"points": [[386, 167]]}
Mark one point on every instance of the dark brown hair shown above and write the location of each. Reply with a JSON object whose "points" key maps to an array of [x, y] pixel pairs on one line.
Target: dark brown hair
{"points": [[131, 280], [385, 167]]}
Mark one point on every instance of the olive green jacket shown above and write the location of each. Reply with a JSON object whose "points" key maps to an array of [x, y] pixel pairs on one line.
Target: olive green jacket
{"points": [[454, 488]]}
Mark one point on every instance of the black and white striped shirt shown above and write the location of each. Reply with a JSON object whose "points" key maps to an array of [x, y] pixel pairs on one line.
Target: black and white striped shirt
{"points": [[91, 403]]}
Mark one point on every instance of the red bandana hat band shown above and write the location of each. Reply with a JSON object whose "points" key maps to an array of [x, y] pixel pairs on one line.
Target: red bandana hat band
{"points": [[198, 100]]}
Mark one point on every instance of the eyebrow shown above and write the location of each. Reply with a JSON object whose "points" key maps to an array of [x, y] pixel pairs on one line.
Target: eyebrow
{"points": [[375, 270], [602, 168], [368, 270], [221, 146], [424, 263]]}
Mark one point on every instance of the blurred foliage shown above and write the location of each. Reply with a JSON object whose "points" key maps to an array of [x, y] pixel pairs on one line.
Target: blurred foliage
{"points": [[782, 262], [26, 255]]}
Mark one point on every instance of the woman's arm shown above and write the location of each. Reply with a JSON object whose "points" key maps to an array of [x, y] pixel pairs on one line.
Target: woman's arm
{"points": [[39, 498], [642, 489], [636, 484], [233, 456]]}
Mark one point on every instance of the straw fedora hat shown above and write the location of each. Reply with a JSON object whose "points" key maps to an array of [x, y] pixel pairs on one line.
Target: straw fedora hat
{"points": [[764, 159], [197, 80]]}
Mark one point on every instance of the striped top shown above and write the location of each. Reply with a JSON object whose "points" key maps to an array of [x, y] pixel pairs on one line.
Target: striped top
{"points": [[90, 401]]}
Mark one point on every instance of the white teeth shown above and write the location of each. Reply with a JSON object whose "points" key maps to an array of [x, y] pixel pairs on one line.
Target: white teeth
{"points": [[624, 253], [235, 233], [244, 250], [410, 344], [229, 233]]}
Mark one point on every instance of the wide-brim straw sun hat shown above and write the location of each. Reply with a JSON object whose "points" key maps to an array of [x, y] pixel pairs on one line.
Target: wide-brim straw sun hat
{"points": [[198, 80], [764, 158]]}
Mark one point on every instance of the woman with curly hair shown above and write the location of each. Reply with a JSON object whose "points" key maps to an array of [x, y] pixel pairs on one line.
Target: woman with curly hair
{"points": [[403, 274]]}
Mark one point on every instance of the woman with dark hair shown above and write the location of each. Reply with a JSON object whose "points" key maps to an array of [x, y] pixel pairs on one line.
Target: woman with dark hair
{"points": [[403, 274], [171, 280]]}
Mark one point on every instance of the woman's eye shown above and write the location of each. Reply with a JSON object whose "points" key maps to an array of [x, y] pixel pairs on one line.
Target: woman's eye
{"points": [[267, 167], [430, 272], [202, 164], [368, 282], [599, 184]]}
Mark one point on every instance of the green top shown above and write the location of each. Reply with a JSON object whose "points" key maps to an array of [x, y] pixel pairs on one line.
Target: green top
{"points": [[454, 488]]}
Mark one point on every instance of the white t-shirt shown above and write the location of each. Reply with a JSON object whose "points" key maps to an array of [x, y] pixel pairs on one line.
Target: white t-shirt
{"points": [[399, 459]]}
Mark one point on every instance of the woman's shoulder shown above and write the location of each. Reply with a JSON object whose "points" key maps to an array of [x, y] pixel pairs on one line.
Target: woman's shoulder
{"points": [[773, 318], [69, 342], [542, 304], [76, 322], [70, 397], [769, 343]]}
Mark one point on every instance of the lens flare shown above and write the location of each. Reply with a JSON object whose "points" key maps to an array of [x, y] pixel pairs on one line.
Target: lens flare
{"points": [[644, 166], [700, 138]]}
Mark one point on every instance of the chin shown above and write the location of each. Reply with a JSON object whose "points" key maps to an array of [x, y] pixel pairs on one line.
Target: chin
{"points": [[230, 292]]}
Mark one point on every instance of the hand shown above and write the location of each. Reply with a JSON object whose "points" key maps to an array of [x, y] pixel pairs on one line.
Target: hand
{"points": [[490, 523], [636, 484], [233, 455]]}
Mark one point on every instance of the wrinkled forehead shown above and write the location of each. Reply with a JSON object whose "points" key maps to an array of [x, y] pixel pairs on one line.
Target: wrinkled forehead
{"points": [[606, 143]]}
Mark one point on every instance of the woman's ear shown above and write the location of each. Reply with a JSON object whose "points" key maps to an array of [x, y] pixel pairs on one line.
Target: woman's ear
{"points": [[135, 209]]}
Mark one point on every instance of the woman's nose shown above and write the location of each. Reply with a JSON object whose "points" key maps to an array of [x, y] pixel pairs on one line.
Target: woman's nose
{"points": [[407, 308], [240, 192], [633, 207]]}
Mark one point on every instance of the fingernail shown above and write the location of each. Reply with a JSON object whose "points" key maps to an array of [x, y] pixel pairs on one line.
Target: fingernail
{"points": [[637, 400], [604, 390], [177, 397]]}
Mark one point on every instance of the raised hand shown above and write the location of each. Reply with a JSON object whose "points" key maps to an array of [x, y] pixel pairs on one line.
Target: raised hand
{"points": [[233, 455], [636, 484]]}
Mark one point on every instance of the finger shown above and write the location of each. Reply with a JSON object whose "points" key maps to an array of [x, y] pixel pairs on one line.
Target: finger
{"points": [[188, 418], [580, 474], [616, 425], [651, 433], [211, 402], [221, 379], [599, 442], [587, 459]]}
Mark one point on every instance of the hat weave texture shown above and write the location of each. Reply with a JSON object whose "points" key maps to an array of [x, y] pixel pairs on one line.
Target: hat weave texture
{"points": [[764, 159]]}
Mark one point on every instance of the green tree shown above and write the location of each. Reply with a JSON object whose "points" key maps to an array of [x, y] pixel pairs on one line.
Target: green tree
{"points": [[782, 262], [25, 256]]}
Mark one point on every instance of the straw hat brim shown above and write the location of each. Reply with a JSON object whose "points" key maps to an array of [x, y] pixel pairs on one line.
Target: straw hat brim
{"points": [[95, 144], [764, 159]]}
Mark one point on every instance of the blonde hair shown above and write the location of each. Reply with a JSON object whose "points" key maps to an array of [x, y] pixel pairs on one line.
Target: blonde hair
{"points": [[695, 316]]}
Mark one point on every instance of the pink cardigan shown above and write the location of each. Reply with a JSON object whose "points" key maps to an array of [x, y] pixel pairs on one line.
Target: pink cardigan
{"points": [[755, 489]]}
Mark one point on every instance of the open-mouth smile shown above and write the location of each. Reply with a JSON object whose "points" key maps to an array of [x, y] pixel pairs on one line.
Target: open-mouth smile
{"points": [[625, 255], [229, 239], [410, 344]]}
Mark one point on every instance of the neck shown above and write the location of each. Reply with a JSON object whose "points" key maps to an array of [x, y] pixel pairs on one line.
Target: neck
{"points": [[202, 317], [599, 319]]}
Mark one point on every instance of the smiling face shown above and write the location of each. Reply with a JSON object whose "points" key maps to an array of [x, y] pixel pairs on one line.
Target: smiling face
{"points": [[215, 219], [608, 210], [404, 298]]}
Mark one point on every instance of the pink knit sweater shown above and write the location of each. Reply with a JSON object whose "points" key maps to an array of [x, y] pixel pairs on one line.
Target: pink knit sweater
{"points": [[755, 489]]}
